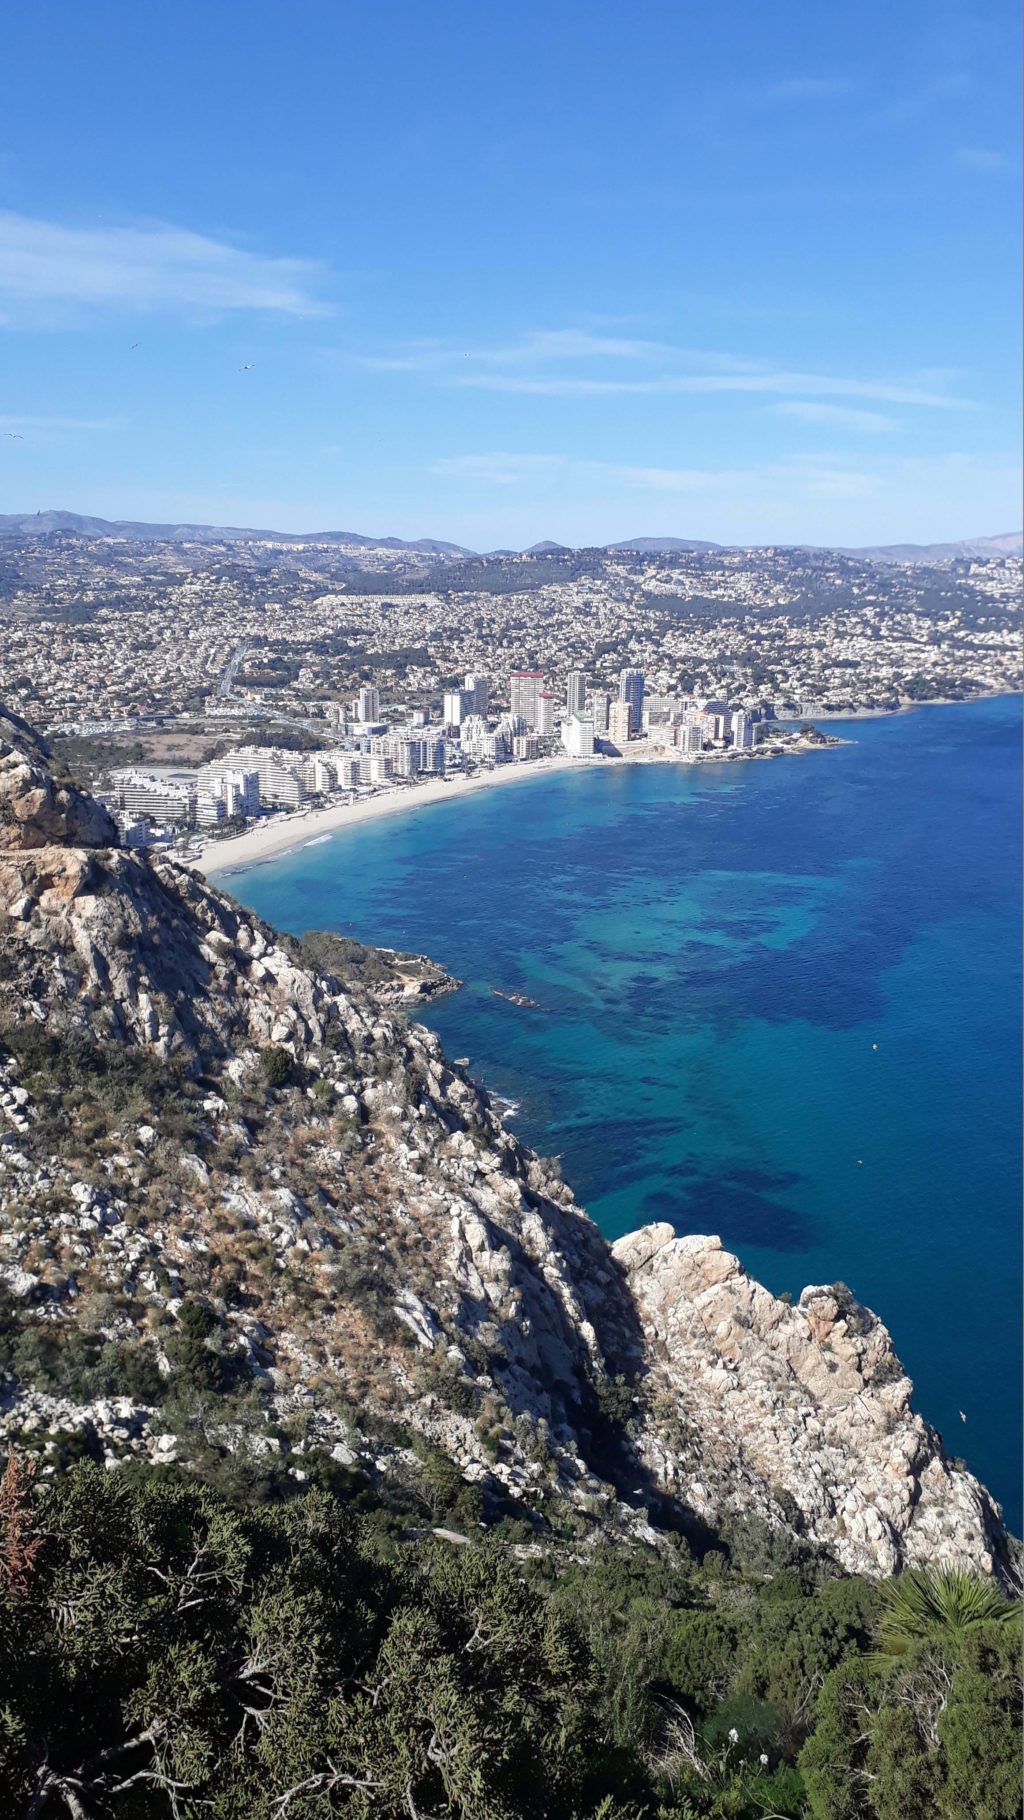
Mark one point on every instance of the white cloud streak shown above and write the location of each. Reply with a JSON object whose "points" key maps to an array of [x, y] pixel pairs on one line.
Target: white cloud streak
{"points": [[979, 158], [535, 365], [841, 416], [506, 469], [784, 383], [154, 267], [803, 478]]}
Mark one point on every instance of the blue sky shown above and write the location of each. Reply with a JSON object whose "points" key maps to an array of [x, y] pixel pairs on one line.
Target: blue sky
{"points": [[498, 273]]}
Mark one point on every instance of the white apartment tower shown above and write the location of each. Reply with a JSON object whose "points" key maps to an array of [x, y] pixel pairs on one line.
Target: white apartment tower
{"points": [[457, 704], [524, 688], [578, 735]]}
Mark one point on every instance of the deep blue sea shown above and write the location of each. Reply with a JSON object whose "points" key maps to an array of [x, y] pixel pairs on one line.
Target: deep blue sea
{"points": [[780, 1002]]}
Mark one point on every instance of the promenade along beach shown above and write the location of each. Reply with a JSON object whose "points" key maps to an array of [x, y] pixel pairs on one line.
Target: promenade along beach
{"points": [[285, 832]]}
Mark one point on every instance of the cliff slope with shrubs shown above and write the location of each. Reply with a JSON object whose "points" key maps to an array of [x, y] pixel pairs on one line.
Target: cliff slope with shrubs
{"points": [[253, 1221]]}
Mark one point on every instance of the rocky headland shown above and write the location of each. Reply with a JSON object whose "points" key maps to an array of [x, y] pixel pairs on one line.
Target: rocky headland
{"points": [[248, 1208]]}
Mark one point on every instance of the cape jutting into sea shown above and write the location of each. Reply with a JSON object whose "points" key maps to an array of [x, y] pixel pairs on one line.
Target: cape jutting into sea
{"points": [[778, 1001]]}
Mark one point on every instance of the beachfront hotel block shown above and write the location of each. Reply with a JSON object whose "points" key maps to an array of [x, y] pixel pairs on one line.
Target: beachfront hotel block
{"points": [[524, 689], [742, 730], [631, 689], [157, 798], [620, 722], [578, 735], [545, 714], [280, 773]]}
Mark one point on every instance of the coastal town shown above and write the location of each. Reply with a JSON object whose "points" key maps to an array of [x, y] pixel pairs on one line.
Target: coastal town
{"points": [[207, 685]]}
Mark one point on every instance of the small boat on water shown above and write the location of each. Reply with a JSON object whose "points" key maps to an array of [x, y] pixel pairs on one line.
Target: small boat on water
{"points": [[516, 998]]}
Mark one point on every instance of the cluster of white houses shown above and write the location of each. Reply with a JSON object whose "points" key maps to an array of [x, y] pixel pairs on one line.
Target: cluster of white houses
{"points": [[372, 753]]}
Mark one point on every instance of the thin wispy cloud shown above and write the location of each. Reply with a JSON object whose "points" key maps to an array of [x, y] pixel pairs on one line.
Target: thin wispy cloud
{"points": [[575, 344], [841, 416], [774, 493], [539, 347], [497, 469], [783, 383], [980, 158], [151, 267], [507, 469], [546, 364]]}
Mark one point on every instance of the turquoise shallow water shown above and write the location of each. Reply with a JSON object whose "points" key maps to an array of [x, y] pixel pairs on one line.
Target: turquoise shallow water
{"points": [[717, 953]]}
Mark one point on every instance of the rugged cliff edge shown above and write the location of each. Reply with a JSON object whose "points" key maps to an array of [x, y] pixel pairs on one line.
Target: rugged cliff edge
{"points": [[245, 1205]]}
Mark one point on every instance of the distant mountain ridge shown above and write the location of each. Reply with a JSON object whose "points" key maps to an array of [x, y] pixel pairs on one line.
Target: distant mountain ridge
{"points": [[27, 524], [659, 546], [1010, 543]]}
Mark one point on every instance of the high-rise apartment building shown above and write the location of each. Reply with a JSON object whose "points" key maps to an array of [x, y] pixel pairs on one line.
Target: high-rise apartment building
{"points": [[368, 705], [575, 692], [620, 722], [631, 689], [280, 773], [525, 687], [598, 704], [742, 730], [157, 798], [457, 704], [545, 721], [479, 688], [578, 735]]}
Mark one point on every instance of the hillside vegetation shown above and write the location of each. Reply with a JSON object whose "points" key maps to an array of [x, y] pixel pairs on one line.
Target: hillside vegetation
{"points": [[353, 1472], [167, 1652]]}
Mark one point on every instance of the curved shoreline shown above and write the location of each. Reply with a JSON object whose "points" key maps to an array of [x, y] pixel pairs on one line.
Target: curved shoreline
{"points": [[286, 833]]}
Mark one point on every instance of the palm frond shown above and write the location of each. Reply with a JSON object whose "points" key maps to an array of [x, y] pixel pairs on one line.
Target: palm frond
{"points": [[932, 1605]]}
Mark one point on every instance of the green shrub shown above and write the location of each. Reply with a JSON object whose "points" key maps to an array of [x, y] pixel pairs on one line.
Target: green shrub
{"points": [[277, 1065]]}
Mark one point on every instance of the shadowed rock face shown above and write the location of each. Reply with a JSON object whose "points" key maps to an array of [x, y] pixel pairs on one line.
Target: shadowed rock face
{"points": [[35, 809], [743, 1406]]}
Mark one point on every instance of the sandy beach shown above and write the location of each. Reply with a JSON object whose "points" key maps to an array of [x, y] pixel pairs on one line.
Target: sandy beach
{"points": [[308, 827], [283, 833]]}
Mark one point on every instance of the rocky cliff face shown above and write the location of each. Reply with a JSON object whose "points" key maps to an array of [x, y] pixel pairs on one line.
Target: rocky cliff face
{"points": [[193, 1117]]}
